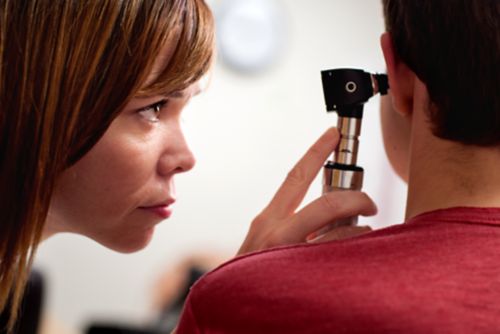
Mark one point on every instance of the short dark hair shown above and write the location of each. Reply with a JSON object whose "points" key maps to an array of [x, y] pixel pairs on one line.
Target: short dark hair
{"points": [[453, 46]]}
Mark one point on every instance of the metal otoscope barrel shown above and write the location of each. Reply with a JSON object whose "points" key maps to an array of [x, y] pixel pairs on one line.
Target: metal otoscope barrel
{"points": [[342, 173]]}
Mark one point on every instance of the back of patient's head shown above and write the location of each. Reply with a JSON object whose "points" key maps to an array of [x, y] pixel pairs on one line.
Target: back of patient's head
{"points": [[453, 46]]}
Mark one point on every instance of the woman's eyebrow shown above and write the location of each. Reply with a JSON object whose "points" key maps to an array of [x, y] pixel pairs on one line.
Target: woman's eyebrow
{"points": [[180, 94]]}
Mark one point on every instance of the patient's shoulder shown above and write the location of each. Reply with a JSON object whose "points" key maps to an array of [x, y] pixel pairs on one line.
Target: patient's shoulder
{"points": [[406, 249], [395, 273]]}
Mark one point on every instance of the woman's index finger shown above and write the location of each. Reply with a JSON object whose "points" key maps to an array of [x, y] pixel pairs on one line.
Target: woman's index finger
{"points": [[294, 188]]}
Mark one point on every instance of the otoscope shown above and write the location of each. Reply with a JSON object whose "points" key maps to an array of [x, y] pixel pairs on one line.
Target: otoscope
{"points": [[346, 91]]}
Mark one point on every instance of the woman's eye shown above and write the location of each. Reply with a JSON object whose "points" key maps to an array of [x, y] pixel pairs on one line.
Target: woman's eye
{"points": [[152, 113]]}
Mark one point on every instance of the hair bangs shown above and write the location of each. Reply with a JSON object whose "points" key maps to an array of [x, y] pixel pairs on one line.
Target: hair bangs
{"points": [[193, 51]]}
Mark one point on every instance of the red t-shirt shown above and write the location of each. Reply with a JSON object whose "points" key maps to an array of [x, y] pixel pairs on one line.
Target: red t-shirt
{"points": [[437, 273]]}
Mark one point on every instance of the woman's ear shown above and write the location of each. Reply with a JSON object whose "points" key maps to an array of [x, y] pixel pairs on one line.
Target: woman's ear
{"points": [[401, 78]]}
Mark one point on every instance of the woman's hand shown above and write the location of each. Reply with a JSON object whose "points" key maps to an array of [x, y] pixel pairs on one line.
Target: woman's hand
{"points": [[279, 223]]}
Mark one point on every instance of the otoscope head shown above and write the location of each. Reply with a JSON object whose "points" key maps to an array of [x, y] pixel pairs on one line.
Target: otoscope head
{"points": [[346, 89]]}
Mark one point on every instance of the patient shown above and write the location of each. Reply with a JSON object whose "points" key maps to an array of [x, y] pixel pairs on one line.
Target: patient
{"points": [[437, 272]]}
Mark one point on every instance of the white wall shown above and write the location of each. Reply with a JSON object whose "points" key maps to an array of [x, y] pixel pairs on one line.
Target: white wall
{"points": [[247, 132]]}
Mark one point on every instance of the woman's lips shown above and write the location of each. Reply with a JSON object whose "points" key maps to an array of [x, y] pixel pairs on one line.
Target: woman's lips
{"points": [[163, 211]]}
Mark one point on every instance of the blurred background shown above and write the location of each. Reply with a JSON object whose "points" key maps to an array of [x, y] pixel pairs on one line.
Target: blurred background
{"points": [[263, 108]]}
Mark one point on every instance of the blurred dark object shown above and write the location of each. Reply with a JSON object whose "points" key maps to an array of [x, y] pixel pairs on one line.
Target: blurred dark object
{"points": [[29, 317], [168, 318], [113, 329], [170, 315]]}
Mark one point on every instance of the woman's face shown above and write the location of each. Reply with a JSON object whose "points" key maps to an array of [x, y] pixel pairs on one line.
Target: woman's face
{"points": [[124, 185]]}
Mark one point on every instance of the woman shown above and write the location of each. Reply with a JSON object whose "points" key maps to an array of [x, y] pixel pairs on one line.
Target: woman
{"points": [[91, 94]]}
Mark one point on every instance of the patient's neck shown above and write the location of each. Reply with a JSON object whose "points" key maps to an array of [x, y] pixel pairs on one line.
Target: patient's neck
{"points": [[444, 174]]}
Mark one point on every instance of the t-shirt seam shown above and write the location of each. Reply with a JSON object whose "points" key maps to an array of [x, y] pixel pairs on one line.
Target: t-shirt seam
{"points": [[193, 313], [454, 219], [281, 248], [479, 214]]}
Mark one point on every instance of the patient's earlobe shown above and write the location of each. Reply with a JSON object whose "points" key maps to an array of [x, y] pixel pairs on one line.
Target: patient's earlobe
{"points": [[401, 77]]}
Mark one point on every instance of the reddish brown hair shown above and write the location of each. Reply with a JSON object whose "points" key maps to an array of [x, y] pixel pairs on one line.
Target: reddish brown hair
{"points": [[453, 46], [67, 68]]}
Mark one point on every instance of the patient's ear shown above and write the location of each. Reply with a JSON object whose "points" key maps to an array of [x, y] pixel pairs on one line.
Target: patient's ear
{"points": [[401, 78]]}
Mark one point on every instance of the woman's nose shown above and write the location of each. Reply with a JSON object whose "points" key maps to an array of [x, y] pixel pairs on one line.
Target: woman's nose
{"points": [[177, 157]]}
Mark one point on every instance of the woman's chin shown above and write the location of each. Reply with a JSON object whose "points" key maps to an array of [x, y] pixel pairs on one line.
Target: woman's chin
{"points": [[129, 244]]}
